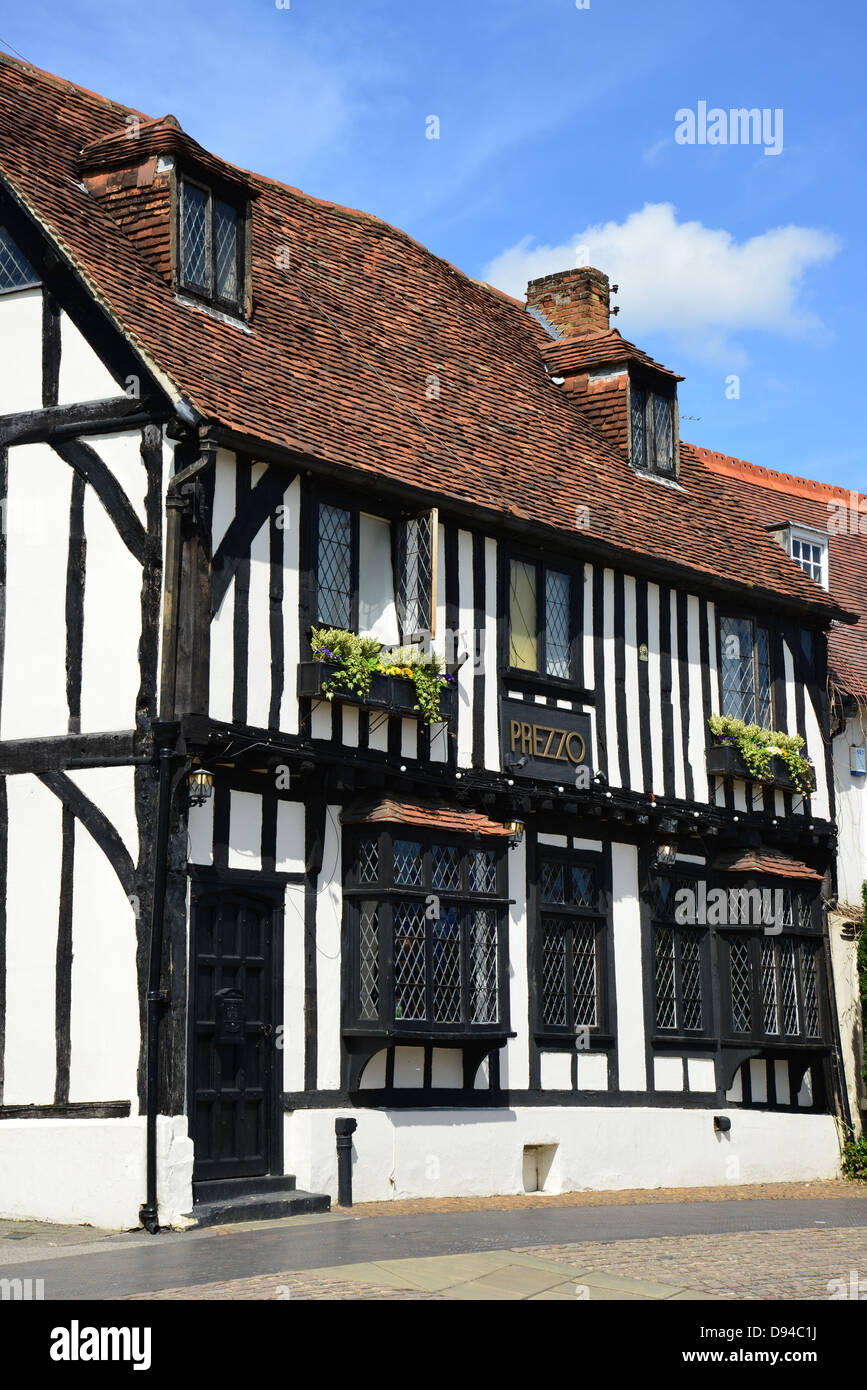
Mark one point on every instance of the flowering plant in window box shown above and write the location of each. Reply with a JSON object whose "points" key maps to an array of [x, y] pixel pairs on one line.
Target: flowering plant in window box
{"points": [[767, 755], [364, 668]]}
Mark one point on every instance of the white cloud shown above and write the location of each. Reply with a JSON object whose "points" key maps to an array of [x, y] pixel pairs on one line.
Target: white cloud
{"points": [[694, 282]]}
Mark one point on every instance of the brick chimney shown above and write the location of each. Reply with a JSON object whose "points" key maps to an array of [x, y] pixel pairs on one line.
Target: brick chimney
{"points": [[575, 302]]}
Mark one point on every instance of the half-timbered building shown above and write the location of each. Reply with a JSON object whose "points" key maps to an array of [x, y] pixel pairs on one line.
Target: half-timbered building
{"points": [[250, 889]]}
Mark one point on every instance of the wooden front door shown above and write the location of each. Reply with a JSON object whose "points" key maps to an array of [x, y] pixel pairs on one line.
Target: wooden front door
{"points": [[232, 1033]]}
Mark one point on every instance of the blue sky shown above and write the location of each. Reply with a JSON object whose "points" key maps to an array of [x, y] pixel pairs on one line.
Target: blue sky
{"points": [[557, 133]]}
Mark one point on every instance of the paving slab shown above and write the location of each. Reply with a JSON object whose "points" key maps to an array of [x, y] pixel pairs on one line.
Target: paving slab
{"points": [[521, 1282]]}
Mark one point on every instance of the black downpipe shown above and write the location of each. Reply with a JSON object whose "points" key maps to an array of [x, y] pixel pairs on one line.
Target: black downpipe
{"points": [[155, 996], [344, 1128]]}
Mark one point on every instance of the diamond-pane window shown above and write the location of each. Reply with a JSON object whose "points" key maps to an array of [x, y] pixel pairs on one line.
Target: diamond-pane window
{"points": [[554, 973], [523, 617], [788, 995], [585, 983], [335, 567], [809, 990], [557, 624], [409, 960], [226, 251], [408, 863], [484, 1002], [446, 966], [369, 956], [483, 871], [210, 246], [741, 983], [553, 881], [663, 434], [368, 861], [584, 889], [690, 968], [16, 273], [446, 867], [745, 671], [416, 570], [639, 427], [770, 1015], [196, 238], [666, 998]]}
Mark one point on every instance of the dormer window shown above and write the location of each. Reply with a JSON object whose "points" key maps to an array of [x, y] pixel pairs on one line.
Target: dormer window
{"points": [[808, 548], [211, 247], [653, 431], [15, 272]]}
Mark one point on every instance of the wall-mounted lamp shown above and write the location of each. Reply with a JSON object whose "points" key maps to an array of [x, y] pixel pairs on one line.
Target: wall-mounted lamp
{"points": [[722, 1124], [200, 786], [666, 855], [516, 832]]}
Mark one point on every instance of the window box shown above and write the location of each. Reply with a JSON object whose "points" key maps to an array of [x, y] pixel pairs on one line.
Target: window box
{"points": [[724, 760], [394, 693]]}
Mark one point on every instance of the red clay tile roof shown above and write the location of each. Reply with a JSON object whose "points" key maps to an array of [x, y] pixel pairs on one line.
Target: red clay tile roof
{"points": [[336, 360], [781, 497], [597, 350], [764, 861], [424, 815]]}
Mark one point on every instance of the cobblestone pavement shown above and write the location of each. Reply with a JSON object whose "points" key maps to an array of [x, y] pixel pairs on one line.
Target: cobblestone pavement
{"points": [[766, 1265], [617, 1198]]}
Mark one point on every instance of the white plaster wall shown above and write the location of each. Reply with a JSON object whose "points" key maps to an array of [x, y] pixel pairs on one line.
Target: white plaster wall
{"points": [[57, 1170], [293, 988], [37, 534], [423, 1153], [851, 794], [466, 624], [489, 667], [329, 908], [626, 926], [110, 676], [847, 994], [83, 377], [122, 454], [259, 630], [515, 1057], [105, 1034], [21, 351], [291, 636], [222, 663], [32, 898]]}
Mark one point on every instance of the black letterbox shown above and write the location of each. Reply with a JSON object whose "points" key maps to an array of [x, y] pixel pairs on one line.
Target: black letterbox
{"points": [[230, 1016]]}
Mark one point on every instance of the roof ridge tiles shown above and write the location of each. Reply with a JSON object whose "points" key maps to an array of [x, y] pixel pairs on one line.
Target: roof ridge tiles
{"points": [[729, 466]]}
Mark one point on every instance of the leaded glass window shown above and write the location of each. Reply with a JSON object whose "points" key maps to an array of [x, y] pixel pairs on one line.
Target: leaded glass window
{"points": [[211, 245], [745, 671], [540, 620], [426, 940], [416, 574], [741, 981], [334, 571], [16, 273], [571, 944], [653, 430], [678, 955], [809, 990]]}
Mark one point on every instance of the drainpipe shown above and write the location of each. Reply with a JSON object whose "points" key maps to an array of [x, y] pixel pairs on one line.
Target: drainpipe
{"points": [[166, 730], [344, 1128]]}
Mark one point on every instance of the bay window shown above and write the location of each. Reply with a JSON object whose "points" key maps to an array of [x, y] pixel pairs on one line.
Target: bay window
{"points": [[773, 977], [425, 922]]}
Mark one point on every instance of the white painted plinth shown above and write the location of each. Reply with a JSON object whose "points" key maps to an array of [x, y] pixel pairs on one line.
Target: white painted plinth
{"points": [[92, 1172], [451, 1153]]}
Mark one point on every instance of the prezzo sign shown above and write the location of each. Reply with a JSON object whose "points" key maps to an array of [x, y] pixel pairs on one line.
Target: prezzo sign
{"points": [[546, 743]]}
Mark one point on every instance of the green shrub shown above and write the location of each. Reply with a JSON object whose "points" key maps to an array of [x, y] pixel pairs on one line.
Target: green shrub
{"points": [[855, 1159], [359, 657], [758, 747]]}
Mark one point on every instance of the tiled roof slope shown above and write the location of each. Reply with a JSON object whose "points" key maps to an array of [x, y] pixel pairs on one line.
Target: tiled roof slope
{"points": [[424, 815], [340, 348], [764, 861], [597, 350], [780, 497]]}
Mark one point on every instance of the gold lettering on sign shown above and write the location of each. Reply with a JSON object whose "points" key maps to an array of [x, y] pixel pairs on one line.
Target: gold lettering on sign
{"points": [[543, 741]]}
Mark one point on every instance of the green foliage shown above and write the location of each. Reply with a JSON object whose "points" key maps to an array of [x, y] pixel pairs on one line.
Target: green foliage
{"points": [[359, 657], [855, 1159], [758, 747]]}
